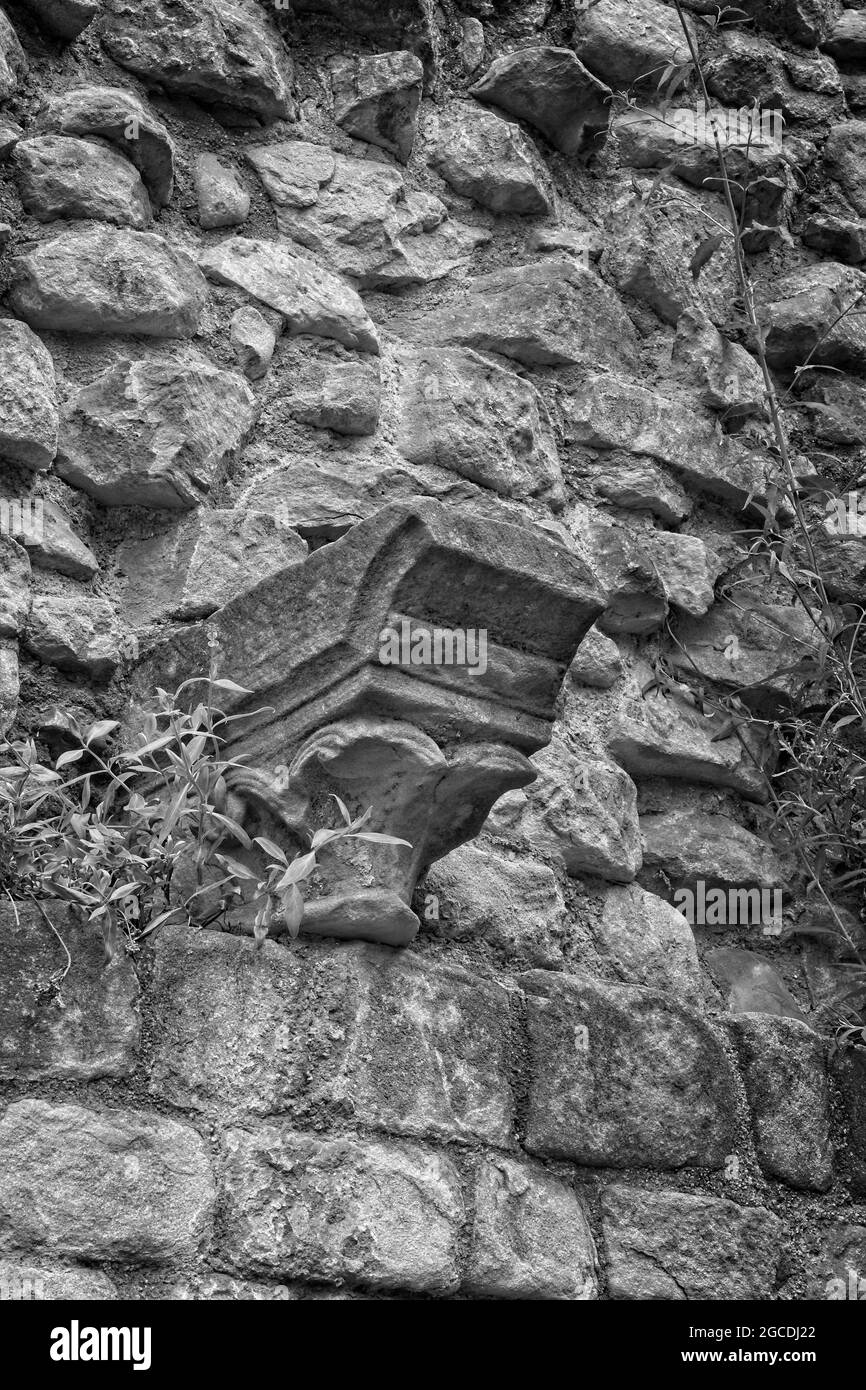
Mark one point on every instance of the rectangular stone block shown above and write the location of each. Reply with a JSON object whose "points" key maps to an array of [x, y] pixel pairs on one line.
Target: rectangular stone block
{"points": [[679, 1245], [102, 1185], [376, 1036], [785, 1073], [530, 1238], [380, 1215], [622, 1076], [95, 1031]]}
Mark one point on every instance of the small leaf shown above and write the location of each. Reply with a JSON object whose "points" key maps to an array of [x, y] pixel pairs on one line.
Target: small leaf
{"points": [[196, 747], [344, 810], [292, 907], [236, 868], [675, 85], [100, 730], [153, 746], [235, 829], [324, 837], [160, 920], [300, 869], [231, 686], [71, 757], [705, 252], [848, 719], [271, 848], [125, 890], [378, 839]]}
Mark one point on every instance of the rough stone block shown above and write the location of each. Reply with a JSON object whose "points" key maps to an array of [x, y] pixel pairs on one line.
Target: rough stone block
{"points": [[835, 1264], [227, 52], [193, 568], [100, 279], [530, 1237], [674, 1245], [750, 985], [624, 1077], [379, 1215], [688, 845], [477, 893], [582, 811], [629, 41], [550, 314], [95, 1033], [658, 737], [60, 176], [386, 1039], [103, 1185], [458, 411], [72, 635], [551, 90], [28, 398], [154, 432], [376, 99], [647, 942], [491, 160], [785, 1070]]}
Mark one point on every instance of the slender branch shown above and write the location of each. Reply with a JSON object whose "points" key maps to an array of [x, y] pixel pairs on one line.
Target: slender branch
{"points": [[14, 906], [55, 980]]}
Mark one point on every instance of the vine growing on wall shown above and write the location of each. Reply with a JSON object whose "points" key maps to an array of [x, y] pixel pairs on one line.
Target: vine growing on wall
{"points": [[817, 785]]}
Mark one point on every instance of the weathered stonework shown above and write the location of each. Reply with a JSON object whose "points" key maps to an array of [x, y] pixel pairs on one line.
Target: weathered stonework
{"points": [[328, 328], [531, 1238], [673, 1245], [785, 1072], [382, 1215], [624, 1077], [81, 1030], [367, 1034], [429, 747], [102, 1185]]}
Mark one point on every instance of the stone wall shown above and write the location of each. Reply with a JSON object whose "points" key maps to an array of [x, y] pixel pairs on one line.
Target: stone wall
{"points": [[268, 270]]}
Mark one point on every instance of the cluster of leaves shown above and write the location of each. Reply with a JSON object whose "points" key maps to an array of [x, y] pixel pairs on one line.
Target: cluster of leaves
{"points": [[143, 836]]}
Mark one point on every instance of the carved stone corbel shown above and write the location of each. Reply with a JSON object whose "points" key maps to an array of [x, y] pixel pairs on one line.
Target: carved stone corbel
{"points": [[429, 747]]}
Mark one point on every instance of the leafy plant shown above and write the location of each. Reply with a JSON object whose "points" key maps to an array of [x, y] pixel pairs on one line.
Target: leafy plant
{"points": [[144, 836], [817, 788]]}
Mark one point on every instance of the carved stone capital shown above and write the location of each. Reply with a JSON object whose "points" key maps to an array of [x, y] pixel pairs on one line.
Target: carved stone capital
{"points": [[430, 746]]}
